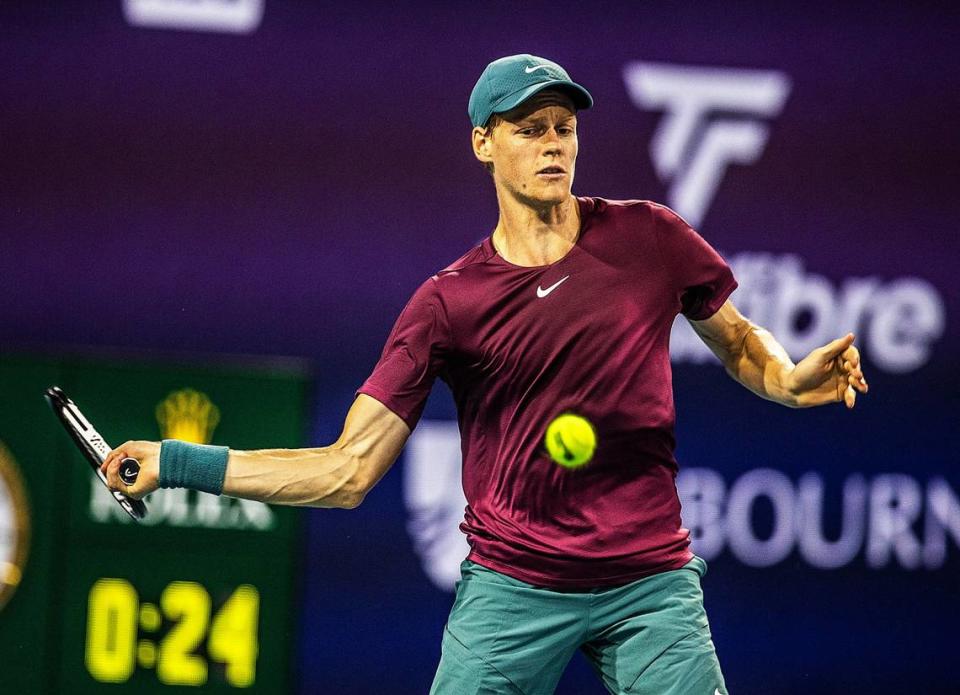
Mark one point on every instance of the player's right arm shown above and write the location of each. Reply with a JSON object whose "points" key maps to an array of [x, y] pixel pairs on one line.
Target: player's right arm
{"points": [[339, 475]]}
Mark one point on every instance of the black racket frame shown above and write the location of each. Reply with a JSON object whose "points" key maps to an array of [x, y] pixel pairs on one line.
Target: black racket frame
{"points": [[93, 447]]}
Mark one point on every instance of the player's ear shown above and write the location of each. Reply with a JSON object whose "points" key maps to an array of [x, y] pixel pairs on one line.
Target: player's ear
{"points": [[481, 144]]}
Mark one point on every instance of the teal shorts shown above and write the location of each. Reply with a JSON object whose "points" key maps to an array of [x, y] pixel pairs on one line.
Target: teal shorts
{"points": [[650, 636]]}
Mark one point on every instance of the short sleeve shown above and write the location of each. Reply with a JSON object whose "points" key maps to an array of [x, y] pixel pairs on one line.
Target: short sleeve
{"points": [[700, 277], [413, 355]]}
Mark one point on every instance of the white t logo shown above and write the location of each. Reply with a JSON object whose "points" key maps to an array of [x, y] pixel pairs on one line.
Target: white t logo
{"points": [[691, 149]]}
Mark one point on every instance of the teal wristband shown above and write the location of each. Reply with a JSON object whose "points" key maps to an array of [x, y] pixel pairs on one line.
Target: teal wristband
{"points": [[197, 466]]}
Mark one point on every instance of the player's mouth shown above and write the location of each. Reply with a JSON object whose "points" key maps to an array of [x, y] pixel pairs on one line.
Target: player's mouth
{"points": [[552, 173]]}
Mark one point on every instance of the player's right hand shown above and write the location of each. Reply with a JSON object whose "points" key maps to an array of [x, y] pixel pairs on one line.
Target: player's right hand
{"points": [[148, 454]]}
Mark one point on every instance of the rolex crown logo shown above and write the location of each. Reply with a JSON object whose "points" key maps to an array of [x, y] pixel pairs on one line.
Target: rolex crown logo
{"points": [[188, 415]]}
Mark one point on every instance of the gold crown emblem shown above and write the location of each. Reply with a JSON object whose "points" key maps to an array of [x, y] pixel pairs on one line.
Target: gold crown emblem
{"points": [[188, 415]]}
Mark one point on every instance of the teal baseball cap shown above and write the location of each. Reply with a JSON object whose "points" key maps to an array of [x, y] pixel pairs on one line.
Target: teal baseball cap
{"points": [[508, 82]]}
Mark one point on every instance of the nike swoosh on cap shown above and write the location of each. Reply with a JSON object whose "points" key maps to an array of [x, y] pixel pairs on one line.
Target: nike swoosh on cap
{"points": [[536, 67]]}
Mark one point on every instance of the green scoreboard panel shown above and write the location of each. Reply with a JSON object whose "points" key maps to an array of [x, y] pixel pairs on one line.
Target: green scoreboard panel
{"points": [[197, 597]]}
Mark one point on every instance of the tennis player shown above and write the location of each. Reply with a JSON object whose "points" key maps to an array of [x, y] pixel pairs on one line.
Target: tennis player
{"points": [[566, 307]]}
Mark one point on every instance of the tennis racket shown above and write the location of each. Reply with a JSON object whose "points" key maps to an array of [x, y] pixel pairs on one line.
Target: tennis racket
{"points": [[94, 448]]}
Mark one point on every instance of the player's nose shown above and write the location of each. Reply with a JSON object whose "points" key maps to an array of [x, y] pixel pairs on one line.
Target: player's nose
{"points": [[551, 135], [552, 149]]}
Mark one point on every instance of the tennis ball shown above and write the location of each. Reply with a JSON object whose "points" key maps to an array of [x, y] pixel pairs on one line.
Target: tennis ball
{"points": [[571, 440]]}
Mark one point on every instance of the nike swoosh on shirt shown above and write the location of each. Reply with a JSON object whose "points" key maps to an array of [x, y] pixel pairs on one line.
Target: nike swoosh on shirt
{"points": [[535, 67], [541, 293]]}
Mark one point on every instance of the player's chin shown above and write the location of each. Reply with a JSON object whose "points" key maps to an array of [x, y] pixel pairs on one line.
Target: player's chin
{"points": [[552, 190]]}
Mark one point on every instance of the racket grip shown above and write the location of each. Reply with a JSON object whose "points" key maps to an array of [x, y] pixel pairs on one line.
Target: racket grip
{"points": [[129, 470]]}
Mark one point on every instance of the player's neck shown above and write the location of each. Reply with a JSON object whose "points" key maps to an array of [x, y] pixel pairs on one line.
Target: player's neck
{"points": [[534, 236]]}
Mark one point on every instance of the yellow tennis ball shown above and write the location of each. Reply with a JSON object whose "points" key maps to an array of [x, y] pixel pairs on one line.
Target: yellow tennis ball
{"points": [[571, 440]]}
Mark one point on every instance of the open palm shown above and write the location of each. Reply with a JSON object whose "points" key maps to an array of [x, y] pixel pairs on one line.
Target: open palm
{"points": [[829, 374]]}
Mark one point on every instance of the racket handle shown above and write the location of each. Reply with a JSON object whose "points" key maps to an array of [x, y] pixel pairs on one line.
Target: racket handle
{"points": [[129, 470]]}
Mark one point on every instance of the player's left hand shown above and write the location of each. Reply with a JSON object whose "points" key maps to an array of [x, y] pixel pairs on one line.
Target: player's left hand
{"points": [[148, 454], [829, 374]]}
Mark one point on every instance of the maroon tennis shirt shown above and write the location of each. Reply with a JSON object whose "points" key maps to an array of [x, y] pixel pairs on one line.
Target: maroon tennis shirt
{"points": [[588, 334]]}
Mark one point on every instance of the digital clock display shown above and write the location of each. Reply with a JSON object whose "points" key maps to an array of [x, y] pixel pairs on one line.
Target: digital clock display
{"points": [[200, 595], [179, 636], [219, 620]]}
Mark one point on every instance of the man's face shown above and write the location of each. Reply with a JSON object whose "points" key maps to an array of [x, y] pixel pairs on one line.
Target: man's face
{"points": [[533, 148]]}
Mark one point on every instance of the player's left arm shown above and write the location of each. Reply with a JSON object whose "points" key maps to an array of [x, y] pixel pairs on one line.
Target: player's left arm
{"points": [[751, 355]]}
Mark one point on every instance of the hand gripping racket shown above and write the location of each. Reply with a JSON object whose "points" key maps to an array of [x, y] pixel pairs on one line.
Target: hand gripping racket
{"points": [[94, 448]]}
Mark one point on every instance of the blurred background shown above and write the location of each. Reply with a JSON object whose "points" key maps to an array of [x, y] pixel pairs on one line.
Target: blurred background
{"points": [[212, 211]]}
